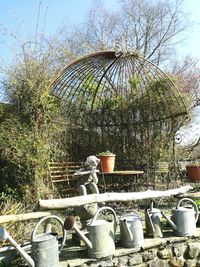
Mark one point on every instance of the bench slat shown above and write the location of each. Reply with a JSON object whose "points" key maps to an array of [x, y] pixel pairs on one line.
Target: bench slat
{"points": [[60, 180], [63, 172]]}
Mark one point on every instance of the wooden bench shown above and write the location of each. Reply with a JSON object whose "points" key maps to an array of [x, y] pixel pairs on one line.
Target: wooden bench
{"points": [[62, 175]]}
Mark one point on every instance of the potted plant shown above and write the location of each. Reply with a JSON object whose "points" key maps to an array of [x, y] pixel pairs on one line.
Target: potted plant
{"points": [[193, 172], [107, 160]]}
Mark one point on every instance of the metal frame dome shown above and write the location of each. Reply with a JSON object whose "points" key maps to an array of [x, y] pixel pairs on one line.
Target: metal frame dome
{"points": [[125, 102]]}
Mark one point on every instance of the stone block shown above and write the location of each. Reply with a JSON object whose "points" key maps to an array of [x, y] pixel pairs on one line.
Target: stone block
{"points": [[116, 262], [190, 263], [165, 253], [193, 249], [123, 261], [149, 255], [135, 260], [104, 262], [177, 261], [144, 264], [158, 263], [180, 249]]}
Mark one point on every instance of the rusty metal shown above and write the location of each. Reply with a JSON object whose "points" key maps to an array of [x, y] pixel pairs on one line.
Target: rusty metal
{"points": [[121, 102]]}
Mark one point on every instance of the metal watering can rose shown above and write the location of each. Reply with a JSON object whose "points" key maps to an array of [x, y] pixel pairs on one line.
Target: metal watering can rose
{"points": [[44, 247], [184, 218], [100, 239]]}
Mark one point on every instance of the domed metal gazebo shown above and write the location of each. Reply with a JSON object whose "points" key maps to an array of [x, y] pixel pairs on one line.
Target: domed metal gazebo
{"points": [[121, 102]]}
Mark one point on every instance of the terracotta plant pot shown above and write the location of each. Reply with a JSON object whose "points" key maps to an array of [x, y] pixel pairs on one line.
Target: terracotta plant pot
{"points": [[193, 172], [107, 163]]}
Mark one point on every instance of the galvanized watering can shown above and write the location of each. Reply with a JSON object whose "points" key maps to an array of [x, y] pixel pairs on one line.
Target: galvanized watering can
{"points": [[44, 247], [100, 238], [131, 231], [183, 220], [153, 222]]}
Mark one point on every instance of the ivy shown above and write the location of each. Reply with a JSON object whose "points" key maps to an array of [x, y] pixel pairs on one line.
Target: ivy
{"points": [[29, 131]]}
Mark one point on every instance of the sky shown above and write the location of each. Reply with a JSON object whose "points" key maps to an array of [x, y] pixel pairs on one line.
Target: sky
{"points": [[21, 16], [192, 37]]}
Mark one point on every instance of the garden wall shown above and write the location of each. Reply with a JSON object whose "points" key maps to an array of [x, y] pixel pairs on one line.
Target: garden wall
{"points": [[158, 252]]}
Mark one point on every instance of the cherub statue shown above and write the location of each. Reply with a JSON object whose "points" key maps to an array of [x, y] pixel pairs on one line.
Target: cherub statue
{"points": [[87, 184]]}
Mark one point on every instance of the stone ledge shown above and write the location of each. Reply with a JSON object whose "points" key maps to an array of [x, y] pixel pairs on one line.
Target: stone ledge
{"points": [[77, 256]]}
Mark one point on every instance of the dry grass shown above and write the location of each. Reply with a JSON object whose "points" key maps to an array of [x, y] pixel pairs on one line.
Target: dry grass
{"points": [[20, 231]]}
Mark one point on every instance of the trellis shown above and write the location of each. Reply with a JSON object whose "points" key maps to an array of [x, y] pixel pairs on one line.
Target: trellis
{"points": [[121, 102]]}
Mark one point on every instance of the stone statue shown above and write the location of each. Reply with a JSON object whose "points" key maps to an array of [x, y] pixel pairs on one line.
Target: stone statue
{"points": [[87, 184]]}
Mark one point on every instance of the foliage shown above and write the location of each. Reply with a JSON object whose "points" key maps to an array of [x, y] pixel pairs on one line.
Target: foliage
{"points": [[197, 201], [4, 264], [10, 204], [33, 126], [154, 29], [29, 132], [106, 153], [188, 78]]}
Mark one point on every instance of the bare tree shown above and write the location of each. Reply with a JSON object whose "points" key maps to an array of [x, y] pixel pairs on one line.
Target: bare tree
{"points": [[97, 32], [188, 78], [188, 81], [152, 27]]}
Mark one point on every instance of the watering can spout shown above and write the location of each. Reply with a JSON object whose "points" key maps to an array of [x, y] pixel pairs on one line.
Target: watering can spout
{"points": [[171, 223], [127, 230], [5, 235], [153, 222], [70, 224], [44, 247], [149, 224]]}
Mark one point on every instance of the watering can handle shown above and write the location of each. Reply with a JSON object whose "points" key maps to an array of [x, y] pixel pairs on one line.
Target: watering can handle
{"points": [[130, 214], [47, 218], [193, 204], [134, 211], [106, 208]]}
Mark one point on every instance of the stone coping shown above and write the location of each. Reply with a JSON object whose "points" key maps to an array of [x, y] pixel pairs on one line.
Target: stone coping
{"points": [[76, 256]]}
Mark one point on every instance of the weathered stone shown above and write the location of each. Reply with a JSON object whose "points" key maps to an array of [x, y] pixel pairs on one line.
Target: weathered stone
{"points": [[177, 261], [190, 263], [183, 253], [144, 264], [150, 255], [123, 261], [104, 262], [193, 249], [158, 263], [135, 260], [179, 249], [116, 262], [165, 253]]}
